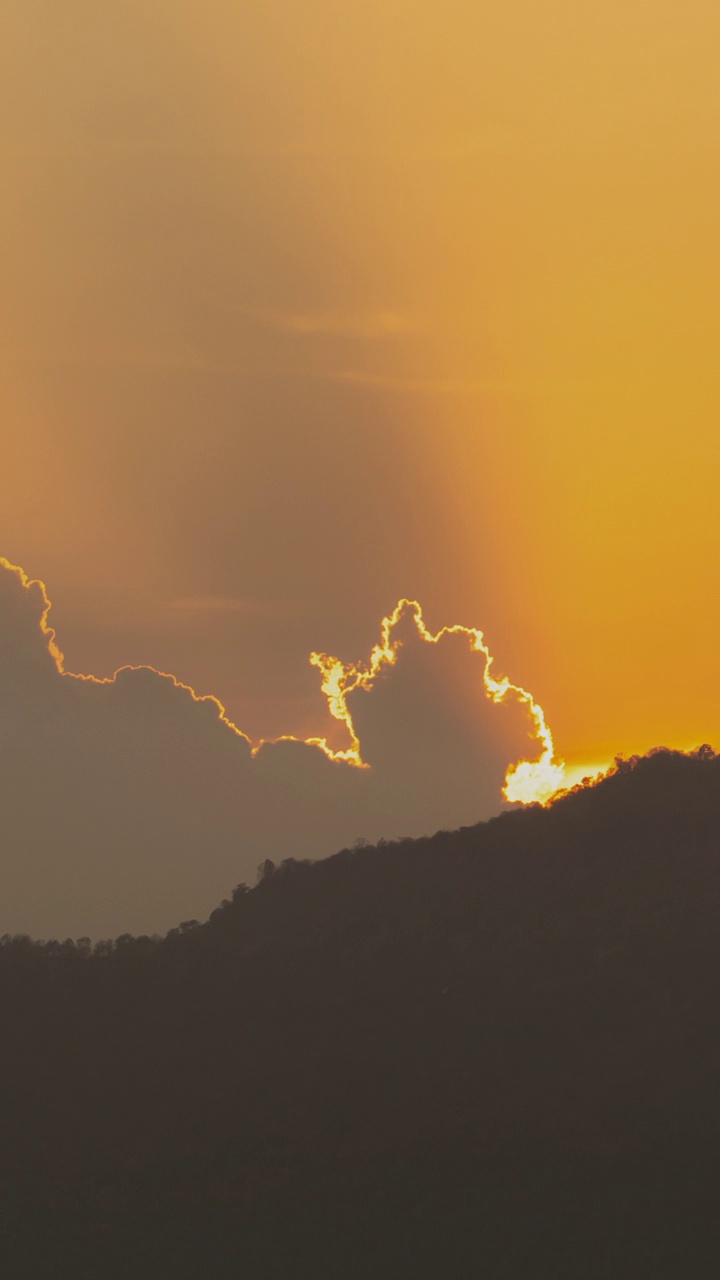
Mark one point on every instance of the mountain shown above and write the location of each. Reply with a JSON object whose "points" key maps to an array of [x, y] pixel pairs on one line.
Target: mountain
{"points": [[491, 1053]]}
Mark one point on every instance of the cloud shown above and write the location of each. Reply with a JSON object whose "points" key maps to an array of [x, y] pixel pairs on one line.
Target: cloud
{"points": [[222, 604], [131, 803], [451, 386], [369, 324]]}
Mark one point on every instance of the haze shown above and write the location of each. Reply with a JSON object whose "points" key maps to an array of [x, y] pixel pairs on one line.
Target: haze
{"points": [[309, 308]]}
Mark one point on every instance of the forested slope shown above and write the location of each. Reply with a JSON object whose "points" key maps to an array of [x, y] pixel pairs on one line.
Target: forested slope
{"points": [[493, 1053]]}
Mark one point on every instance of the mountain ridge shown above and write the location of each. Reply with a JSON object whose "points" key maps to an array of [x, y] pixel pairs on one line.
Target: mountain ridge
{"points": [[493, 1051]]}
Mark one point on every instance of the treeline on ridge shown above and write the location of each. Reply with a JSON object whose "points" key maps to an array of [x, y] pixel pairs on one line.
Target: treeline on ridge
{"points": [[493, 1052]]}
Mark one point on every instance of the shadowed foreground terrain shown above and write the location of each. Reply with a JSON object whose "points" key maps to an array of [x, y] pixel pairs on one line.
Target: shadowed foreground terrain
{"points": [[493, 1053]]}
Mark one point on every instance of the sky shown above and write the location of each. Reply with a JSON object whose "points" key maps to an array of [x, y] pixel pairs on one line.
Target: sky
{"points": [[307, 309]]}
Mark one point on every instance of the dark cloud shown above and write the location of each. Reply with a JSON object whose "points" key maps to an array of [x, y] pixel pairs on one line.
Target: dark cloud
{"points": [[129, 804]]}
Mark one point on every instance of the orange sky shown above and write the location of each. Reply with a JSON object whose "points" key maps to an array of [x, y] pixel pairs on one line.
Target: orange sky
{"points": [[306, 308]]}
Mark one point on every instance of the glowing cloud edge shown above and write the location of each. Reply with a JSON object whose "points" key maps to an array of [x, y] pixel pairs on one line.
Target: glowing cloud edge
{"points": [[526, 782]]}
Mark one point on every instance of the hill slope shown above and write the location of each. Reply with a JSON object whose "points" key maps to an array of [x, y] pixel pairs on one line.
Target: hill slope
{"points": [[495, 1052]]}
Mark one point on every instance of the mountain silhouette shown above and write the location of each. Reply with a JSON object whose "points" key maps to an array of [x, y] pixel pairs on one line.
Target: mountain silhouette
{"points": [[490, 1053]]}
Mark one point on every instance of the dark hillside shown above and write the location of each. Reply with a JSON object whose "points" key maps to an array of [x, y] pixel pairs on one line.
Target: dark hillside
{"points": [[493, 1053]]}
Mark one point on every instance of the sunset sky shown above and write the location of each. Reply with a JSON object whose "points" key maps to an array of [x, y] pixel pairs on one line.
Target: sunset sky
{"points": [[308, 308]]}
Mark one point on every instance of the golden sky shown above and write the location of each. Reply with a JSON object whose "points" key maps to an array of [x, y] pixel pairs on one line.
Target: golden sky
{"points": [[310, 307]]}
